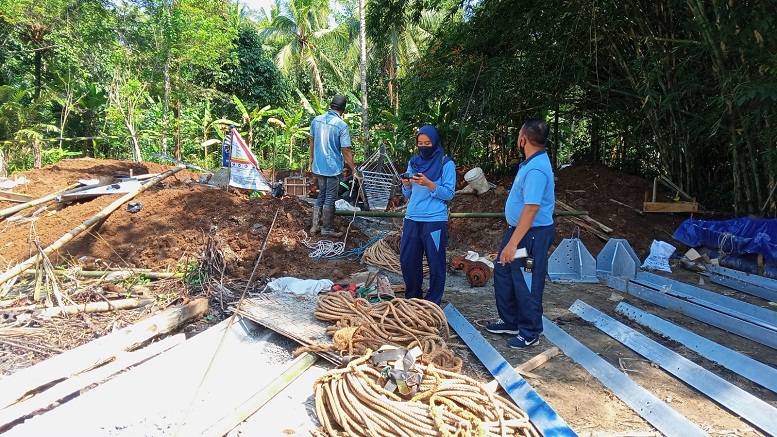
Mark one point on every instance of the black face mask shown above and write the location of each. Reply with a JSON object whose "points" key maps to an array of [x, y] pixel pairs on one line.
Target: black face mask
{"points": [[426, 152]]}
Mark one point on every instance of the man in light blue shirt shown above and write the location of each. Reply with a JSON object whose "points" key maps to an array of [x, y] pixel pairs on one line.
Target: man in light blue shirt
{"points": [[529, 214], [330, 142]]}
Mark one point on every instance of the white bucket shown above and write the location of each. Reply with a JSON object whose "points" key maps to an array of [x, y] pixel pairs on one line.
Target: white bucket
{"points": [[476, 180]]}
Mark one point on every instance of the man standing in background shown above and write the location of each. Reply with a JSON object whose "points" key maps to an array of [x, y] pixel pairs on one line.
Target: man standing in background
{"points": [[330, 142], [529, 214]]}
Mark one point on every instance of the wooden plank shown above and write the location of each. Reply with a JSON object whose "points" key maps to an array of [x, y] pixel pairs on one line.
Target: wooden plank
{"points": [[670, 207], [644, 403], [544, 418], [14, 197], [290, 315], [743, 365], [740, 402], [526, 368], [60, 367], [586, 217], [596, 232]]}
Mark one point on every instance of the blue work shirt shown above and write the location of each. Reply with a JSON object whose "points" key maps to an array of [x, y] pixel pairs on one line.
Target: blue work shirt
{"points": [[425, 205], [330, 133], [533, 185]]}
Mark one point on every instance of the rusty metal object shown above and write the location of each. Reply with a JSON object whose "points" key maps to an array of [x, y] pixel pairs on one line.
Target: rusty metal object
{"points": [[478, 274], [458, 262]]}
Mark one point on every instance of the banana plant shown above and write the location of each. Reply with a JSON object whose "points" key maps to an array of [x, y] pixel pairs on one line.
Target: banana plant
{"points": [[249, 118], [206, 124], [293, 128]]}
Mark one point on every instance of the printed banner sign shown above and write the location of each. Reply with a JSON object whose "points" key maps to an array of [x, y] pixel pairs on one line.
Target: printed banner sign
{"points": [[244, 168]]}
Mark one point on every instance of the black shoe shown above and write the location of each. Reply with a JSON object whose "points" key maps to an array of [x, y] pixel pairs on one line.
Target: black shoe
{"points": [[500, 327], [519, 342]]}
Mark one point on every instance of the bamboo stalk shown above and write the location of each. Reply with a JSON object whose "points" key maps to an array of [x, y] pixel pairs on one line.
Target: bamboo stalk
{"points": [[4, 213], [113, 274], [93, 307], [85, 225], [451, 215]]}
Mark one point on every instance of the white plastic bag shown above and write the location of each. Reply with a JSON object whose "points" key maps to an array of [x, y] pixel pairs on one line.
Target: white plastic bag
{"points": [[660, 251], [299, 286]]}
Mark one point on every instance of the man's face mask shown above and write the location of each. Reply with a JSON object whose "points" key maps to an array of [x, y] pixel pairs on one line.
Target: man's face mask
{"points": [[425, 151]]}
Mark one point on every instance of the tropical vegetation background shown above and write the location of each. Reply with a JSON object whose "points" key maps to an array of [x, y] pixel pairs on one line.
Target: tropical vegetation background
{"points": [[686, 89]]}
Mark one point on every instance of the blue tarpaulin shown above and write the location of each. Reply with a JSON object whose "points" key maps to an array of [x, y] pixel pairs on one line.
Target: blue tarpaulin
{"points": [[740, 236]]}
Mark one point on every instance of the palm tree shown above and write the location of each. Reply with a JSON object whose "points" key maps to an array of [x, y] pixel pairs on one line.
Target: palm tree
{"points": [[298, 29]]}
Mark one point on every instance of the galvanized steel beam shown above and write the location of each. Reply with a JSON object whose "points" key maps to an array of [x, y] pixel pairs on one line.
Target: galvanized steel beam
{"points": [[644, 403], [731, 324], [716, 301], [755, 371], [755, 285], [750, 408], [547, 421]]}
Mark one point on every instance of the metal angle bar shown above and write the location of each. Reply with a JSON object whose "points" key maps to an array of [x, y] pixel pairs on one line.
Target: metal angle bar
{"points": [[723, 321], [746, 284], [749, 407], [644, 403], [547, 421], [763, 281], [751, 311], [755, 371]]}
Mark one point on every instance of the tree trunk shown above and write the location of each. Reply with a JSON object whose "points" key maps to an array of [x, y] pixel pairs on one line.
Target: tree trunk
{"points": [[363, 69], [166, 104], [177, 128]]}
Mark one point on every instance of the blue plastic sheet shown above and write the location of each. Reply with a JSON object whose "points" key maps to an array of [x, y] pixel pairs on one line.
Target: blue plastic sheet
{"points": [[740, 236]]}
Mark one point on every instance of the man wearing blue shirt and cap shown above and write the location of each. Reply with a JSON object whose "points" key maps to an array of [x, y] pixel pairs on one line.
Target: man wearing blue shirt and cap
{"points": [[530, 232], [330, 142]]}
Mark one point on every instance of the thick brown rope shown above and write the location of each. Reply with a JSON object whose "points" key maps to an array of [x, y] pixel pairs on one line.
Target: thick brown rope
{"points": [[358, 325], [351, 401], [381, 254]]}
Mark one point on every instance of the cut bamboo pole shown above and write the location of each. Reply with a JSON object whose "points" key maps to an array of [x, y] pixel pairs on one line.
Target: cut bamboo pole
{"points": [[93, 307], [113, 275], [85, 225], [14, 209], [38, 378], [451, 215], [255, 402], [586, 217]]}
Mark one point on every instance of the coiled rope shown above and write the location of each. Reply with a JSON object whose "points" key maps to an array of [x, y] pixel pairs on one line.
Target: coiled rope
{"points": [[351, 401], [381, 254], [725, 237], [359, 325]]}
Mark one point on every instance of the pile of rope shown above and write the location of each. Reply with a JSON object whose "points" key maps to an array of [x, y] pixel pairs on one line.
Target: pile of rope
{"points": [[351, 401], [335, 249], [359, 325], [381, 254]]}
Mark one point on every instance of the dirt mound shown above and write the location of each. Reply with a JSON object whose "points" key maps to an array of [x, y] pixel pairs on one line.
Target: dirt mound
{"points": [[585, 187], [177, 218]]}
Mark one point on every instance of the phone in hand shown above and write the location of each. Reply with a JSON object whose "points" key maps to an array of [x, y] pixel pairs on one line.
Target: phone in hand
{"points": [[408, 175]]}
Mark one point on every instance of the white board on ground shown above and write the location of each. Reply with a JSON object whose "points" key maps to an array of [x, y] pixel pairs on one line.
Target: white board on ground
{"points": [[153, 398]]}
